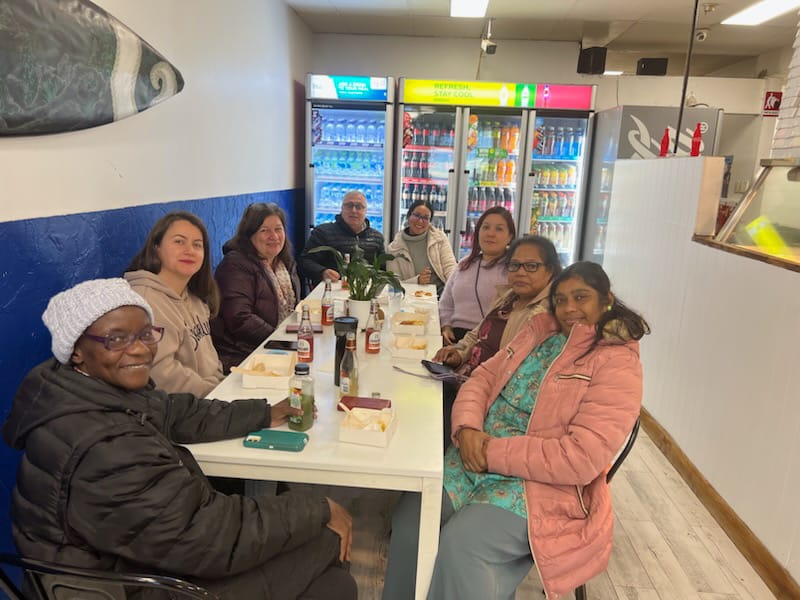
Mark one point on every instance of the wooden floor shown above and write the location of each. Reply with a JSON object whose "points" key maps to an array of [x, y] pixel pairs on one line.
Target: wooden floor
{"points": [[666, 545]]}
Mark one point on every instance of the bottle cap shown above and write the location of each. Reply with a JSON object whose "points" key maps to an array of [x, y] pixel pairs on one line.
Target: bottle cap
{"points": [[301, 369]]}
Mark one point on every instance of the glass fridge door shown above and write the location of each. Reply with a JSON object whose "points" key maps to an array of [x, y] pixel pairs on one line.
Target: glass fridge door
{"points": [[492, 159], [557, 164], [425, 164], [347, 153]]}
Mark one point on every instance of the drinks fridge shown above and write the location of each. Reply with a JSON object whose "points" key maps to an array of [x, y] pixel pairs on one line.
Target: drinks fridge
{"points": [[466, 146], [635, 132], [349, 123]]}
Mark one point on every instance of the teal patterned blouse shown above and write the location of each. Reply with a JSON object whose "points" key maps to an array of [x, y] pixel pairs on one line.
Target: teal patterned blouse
{"points": [[508, 416]]}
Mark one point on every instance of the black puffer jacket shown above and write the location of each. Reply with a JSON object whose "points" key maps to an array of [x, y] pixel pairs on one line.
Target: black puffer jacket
{"points": [[103, 483], [338, 235]]}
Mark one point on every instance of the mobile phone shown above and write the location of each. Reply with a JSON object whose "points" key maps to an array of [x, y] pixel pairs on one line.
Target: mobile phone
{"points": [[436, 368], [281, 345], [352, 402], [276, 439]]}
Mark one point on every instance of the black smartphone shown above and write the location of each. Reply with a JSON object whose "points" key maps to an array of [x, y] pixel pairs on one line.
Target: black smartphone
{"points": [[281, 345], [436, 368]]}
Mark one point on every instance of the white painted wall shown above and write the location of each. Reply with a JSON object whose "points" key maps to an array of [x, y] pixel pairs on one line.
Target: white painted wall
{"points": [[457, 58], [720, 364], [231, 130]]}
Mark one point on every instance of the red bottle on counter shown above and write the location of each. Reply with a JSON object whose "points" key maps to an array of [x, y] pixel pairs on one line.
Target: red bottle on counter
{"points": [[697, 139], [664, 143]]}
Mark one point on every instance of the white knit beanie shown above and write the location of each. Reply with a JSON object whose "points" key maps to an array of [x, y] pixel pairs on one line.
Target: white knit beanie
{"points": [[71, 312]]}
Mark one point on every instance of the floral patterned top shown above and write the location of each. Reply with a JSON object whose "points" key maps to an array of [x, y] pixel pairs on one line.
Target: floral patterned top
{"points": [[508, 416]]}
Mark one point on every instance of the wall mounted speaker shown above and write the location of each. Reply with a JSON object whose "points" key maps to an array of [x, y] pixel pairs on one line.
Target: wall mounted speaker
{"points": [[592, 61], [651, 66]]}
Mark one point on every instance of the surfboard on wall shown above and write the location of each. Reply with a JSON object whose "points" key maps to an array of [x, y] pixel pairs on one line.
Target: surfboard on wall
{"points": [[67, 65]]}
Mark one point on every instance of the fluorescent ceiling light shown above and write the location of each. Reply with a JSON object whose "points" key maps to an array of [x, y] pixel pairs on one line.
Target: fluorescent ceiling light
{"points": [[612, 72], [761, 12], [468, 8]]}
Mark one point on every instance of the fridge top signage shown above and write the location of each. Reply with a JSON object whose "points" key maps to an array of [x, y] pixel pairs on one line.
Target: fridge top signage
{"points": [[497, 94], [350, 88]]}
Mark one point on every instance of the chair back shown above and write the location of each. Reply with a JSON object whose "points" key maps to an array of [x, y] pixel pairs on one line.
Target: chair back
{"points": [[626, 449], [49, 581]]}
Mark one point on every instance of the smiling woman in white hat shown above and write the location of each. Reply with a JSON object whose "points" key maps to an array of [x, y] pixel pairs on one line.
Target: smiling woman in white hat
{"points": [[104, 484]]}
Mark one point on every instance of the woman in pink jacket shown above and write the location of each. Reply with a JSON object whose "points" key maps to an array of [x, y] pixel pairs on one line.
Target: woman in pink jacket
{"points": [[535, 428]]}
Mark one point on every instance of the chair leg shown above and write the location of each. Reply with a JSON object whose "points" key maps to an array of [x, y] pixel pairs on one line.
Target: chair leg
{"points": [[580, 592]]}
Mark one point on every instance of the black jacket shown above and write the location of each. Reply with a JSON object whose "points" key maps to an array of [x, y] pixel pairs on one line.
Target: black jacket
{"points": [[103, 483], [248, 311], [338, 235]]}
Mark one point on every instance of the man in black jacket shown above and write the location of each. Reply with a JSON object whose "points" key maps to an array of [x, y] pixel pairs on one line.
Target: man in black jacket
{"points": [[105, 483], [351, 228]]}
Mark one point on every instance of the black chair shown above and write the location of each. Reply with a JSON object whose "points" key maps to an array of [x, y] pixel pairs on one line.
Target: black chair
{"points": [[48, 581], [580, 591]]}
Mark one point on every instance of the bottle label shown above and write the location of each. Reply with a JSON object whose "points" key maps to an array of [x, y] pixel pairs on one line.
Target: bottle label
{"points": [[303, 350], [327, 314], [344, 384], [374, 340], [296, 401]]}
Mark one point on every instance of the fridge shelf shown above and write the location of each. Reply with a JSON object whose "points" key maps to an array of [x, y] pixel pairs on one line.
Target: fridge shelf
{"points": [[547, 219], [555, 159], [376, 147], [495, 184], [553, 188], [374, 179], [415, 148], [427, 181]]}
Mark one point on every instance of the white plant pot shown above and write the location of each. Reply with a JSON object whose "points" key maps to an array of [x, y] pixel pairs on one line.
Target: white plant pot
{"points": [[360, 310]]}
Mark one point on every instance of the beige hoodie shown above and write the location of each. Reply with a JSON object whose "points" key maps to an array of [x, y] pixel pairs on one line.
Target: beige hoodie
{"points": [[186, 360]]}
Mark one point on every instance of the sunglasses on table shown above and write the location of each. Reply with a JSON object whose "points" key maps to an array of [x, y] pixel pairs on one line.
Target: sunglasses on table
{"points": [[119, 341], [530, 267]]}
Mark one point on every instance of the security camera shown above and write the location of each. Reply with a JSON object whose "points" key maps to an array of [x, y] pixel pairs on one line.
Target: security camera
{"points": [[488, 46], [701, 35]]}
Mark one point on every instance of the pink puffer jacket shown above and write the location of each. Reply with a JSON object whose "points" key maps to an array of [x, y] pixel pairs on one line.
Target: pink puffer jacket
{"points": [[585, 410]]}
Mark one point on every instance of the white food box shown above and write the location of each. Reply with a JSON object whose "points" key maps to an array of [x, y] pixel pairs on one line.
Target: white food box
{"points": [[377, 431], [277, 367], [424, 295], [414, 323], [409, 346]]}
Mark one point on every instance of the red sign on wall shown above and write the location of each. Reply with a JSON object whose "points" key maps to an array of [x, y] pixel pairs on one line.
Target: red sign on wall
{"points": [[772, 104]]}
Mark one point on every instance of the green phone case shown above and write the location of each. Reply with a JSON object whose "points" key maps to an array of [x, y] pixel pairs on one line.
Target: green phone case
{"points": [[276, 439]]}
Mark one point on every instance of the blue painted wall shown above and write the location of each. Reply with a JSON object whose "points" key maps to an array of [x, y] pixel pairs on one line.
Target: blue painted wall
{"points": [[41, 257]]}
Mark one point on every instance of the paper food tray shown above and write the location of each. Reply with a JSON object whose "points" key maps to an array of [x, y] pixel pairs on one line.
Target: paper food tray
{"points": [[414, 323], [278, 367], [379, 430], [409, 346]]}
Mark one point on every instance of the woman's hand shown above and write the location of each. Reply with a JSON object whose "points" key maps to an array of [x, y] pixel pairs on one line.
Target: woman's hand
{"points": [[448, 335], [341, 524], [448, 356], [279, 413], [330, 274], [472, 447], [424, 278]]}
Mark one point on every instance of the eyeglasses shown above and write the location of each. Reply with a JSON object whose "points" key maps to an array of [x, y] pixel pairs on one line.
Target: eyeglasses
{"points": [[354, 206], [119, 341], [419, 217], [530, 267]]}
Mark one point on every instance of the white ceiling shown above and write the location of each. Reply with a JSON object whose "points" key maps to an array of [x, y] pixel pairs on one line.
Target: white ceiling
{"points": [[635, 27]]}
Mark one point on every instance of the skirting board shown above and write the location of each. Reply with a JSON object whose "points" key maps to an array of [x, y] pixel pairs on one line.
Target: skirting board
{"points": [[775, 576]]}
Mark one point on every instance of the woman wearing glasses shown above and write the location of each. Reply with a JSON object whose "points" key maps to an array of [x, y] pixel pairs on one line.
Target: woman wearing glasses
{"points": [[104, 482], [532, 265], [172, 272], [423, 253]]}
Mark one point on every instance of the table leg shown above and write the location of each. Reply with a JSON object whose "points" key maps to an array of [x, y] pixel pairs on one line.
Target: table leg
{"points": [[429, 519]]}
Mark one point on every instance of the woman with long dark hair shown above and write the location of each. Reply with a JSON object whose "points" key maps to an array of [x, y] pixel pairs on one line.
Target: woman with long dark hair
{"points": [[473, 286], [534, 429], [172, 272], [258, 283]]}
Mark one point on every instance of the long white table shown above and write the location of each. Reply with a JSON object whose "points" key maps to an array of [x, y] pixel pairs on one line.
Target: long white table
{"points": [[412, 461]]}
